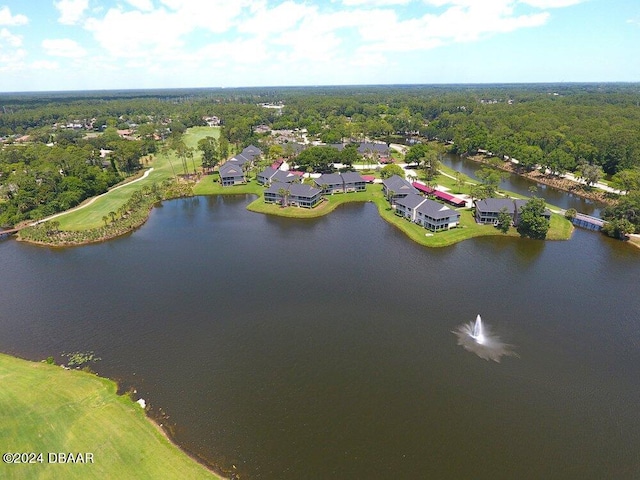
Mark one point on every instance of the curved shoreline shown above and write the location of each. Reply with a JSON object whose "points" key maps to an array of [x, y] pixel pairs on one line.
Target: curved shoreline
{"points": [[136, 429], [559, 183], [412, 231]]}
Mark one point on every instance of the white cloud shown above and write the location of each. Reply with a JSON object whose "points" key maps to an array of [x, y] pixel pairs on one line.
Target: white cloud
{"points": [[542, 4], [6, 18], [12, 56], [144, 5], [6, 37], [71, 11], [214, 15], [133, 34], [374, 3], [458, 23], [12, 60], [63, 47], [281, 18], [161, 30], [551, 3], [44, 65]]}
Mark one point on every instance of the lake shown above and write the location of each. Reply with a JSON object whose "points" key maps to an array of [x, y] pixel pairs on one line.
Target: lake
{"points": [[324, 349], [519, 184]]}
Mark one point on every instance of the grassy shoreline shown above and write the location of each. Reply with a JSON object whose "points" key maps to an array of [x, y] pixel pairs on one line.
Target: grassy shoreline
{"points": [[91, 225], [72, 411]]}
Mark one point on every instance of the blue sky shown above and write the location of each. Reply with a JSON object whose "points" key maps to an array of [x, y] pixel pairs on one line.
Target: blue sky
{"points": [[113, 44]]}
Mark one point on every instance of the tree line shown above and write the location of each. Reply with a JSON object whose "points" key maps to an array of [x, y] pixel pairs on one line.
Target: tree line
{"points": [[588, 129]]}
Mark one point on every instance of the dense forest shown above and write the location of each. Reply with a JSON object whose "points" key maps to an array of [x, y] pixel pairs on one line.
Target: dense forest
{"points": [[51, 158]]}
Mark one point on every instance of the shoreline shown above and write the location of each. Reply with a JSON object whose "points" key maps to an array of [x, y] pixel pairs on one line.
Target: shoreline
{"points": [[14, 363], [414, 233], [559, 183]]}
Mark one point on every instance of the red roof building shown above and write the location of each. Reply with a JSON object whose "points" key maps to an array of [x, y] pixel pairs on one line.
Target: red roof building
{"points": [[444, 196]]}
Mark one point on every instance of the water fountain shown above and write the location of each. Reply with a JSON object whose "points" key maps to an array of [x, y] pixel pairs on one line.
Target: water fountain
{"points": [[478, 334], [477, 338]]}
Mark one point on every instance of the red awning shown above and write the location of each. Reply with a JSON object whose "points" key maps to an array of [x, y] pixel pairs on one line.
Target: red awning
{"points": [[438, 194]]}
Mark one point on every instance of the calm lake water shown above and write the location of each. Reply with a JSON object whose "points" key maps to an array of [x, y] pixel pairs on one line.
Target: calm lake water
{"points": [[517, 184], [317, 349]]}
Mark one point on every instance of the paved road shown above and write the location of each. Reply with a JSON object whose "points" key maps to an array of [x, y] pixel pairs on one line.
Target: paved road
{"points": [[146, 174]]}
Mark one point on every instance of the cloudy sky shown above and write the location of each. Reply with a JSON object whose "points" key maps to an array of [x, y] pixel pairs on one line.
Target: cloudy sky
{"points": [[98, 44]]}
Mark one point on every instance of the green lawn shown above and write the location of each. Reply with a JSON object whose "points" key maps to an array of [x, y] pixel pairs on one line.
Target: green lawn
{"points": [[164, 165], [195, 134], [560, 227], [329, 204], [48, 409], [210, 185]]}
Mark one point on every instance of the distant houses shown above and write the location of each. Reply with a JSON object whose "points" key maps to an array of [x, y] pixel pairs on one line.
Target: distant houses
{"points": [[428, 213], [488, 210]]}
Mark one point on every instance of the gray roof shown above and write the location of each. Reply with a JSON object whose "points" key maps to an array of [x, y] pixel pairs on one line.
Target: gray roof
{"points": [[494, 205], [329, 179], [296, 189], [352, 177], [497, 204], [398, 185], [230, 169], [303, 190], [240, 159], [284, 177], [268, 172], [366, 147], [436, 210], [411, 201], [251, 151]]}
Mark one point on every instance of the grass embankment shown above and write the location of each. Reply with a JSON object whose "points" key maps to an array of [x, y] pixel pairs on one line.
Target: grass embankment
{"points": [[165, 165], [329, 204], [560, 227], [48, 409]]}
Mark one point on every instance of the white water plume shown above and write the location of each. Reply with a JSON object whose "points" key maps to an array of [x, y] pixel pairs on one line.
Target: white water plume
{"points": [[477, 338]]}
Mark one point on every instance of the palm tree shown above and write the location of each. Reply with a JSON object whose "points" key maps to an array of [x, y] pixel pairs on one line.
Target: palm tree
{"points": [[112, 214], [105, 219], [283, 195], [165, 151], [390, 195]]}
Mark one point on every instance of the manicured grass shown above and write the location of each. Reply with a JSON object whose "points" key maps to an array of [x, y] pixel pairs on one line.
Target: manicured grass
{"points": [[164, 165], [210, 185], [193, 135], [329, 204], [560, 228], [48, 409]]}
